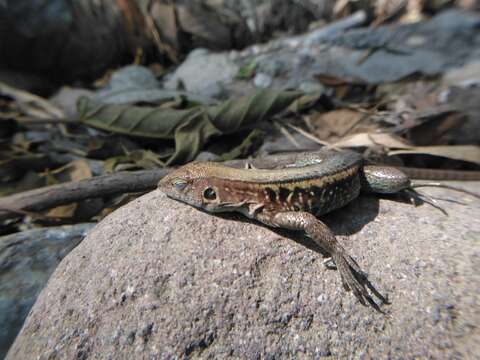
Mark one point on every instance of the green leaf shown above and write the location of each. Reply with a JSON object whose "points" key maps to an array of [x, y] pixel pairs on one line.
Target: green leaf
{"points": [[234, 115], [191, 128], [141, 121], [247, 71], [251, 142], [191, 136]]}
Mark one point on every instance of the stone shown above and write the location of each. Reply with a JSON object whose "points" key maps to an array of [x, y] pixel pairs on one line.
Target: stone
{"points": [[262, 81], [158, 279], [27, 259], [204, 72], [134, 83]]}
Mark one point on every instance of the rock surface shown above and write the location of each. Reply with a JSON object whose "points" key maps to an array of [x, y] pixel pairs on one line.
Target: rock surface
{"points": [[204, 72], [159, 280], [27, 259]]}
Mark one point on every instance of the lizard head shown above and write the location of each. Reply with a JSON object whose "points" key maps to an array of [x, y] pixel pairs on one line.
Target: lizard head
{"points": [[191, 184]]}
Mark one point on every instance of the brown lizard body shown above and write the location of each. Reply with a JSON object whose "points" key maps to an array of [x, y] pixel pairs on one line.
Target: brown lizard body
{"points": [[291, 197]]}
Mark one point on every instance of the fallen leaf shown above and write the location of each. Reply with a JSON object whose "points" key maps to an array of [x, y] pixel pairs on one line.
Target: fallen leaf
{"points": [[64, 211], [191, 128], [433, 130], [329, 80], [31, 104], [79, 170], [251, 142], [134, 160], [335, 124], [386, 140], [247, 71], [305, 102], [469, 153]]}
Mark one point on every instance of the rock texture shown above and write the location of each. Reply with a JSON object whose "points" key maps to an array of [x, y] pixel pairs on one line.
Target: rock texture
{"points": [[160, 280], [27, 259]]}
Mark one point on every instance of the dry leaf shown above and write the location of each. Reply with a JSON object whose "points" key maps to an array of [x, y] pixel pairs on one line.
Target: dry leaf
{"points": [[79, 170], [32, 105], [470, 153], [64, 211], [386, 140], [335, 124]]}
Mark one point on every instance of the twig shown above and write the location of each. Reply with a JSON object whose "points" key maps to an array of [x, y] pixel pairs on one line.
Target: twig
{"points": [[308, 135], [287, 135], [42, 121], [23, 97], [133, 182], [48, 197], [61, 194], [101, 186], [354, 125]]}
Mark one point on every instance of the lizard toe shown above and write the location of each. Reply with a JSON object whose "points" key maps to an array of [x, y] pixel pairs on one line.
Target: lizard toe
{"points": [[357, 282]]}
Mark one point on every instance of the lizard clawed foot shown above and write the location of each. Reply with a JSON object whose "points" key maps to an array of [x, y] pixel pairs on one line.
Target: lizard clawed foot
{"points": [[354, 279]]}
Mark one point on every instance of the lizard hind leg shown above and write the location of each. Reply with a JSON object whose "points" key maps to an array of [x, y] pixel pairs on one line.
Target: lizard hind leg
{"points": [[389, 180], [353, 278], [384, 180]]}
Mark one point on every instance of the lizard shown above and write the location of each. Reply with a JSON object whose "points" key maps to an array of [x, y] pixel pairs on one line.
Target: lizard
{"points": [[293, 195]]}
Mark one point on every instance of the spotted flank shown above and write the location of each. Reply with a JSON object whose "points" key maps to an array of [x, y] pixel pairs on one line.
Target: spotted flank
{"points": [[317, 196]]}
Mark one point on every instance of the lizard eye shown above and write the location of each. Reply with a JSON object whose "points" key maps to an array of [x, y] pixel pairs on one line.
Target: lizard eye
{"points": [[209, 194], [179, 184]]}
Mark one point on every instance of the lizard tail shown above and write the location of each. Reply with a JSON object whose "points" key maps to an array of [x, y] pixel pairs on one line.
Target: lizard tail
{"points": [[440, 174]]}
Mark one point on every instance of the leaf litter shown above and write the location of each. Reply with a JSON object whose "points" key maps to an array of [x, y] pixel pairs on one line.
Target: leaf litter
{"points": [[132, 124]]}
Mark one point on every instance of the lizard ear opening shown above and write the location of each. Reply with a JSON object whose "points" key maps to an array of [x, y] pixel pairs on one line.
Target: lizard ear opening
{"points": [[209, 194]]}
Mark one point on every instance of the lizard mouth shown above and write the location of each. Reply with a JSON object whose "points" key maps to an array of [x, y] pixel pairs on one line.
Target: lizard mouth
{"points": [[183, 198]]}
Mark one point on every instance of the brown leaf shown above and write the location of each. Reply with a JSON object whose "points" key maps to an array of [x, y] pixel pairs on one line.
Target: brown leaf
{"points": [[79, 170], [32, 105], [432, 131], [64, 211], [204, 26], [73, 171], [469, 153], [163, 24], [329, 80], [335, 124], [386, 140]]}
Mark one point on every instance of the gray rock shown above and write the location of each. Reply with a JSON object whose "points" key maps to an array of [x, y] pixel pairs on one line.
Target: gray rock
{"points": [[66, 99], [133, 76], [272, 67], [276, 143], [262, 81], [207, 156], [159, 280], [202, 70], [311, 87], [134, 83], [448, 40], [27, 260]]}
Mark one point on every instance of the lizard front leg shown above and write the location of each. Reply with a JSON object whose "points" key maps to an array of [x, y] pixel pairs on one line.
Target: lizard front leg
{"points": [[352, 276]]}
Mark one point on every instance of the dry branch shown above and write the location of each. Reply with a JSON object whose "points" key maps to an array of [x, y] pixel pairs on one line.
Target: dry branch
{"points": [[106, 185], [61, 194]]}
